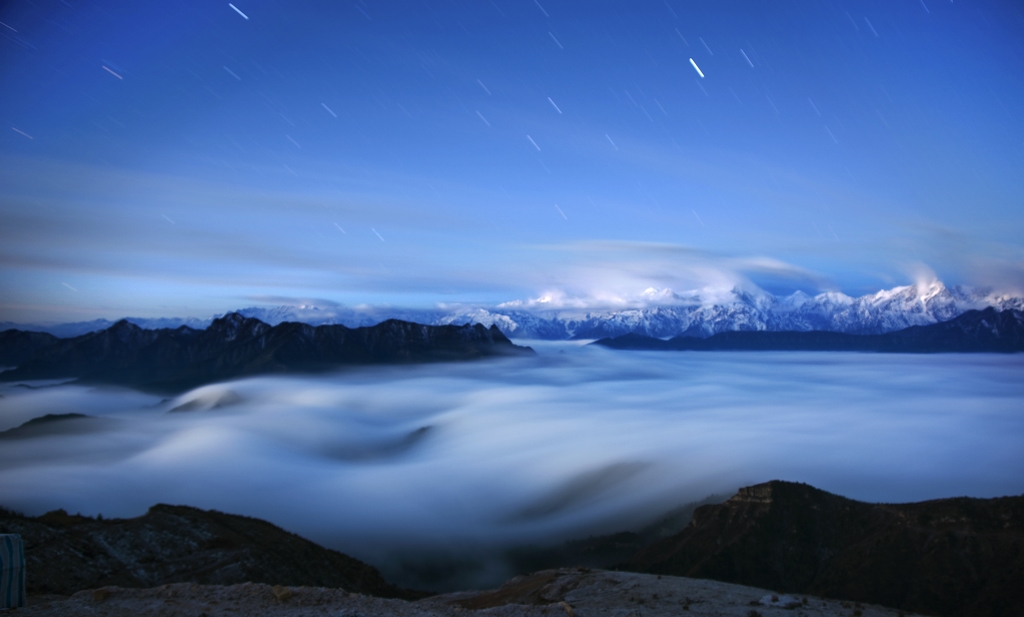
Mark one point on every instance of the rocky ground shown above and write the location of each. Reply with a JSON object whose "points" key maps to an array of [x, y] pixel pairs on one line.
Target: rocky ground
{"points": [[67, 553], [552, 593]]}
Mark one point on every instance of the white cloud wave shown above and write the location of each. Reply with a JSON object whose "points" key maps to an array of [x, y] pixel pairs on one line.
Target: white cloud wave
{"points": [[477, 457]]}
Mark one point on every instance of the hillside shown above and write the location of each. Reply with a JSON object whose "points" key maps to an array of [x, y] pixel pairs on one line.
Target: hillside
{"points": [[236, 346], [958, 556], [172, 544]]}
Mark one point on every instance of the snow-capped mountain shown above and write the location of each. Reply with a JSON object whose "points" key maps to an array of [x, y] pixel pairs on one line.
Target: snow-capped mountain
{"points": [[693, 315], [697, 313]]}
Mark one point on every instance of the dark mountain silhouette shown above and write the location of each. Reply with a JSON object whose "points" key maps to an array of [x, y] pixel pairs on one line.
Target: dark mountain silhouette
{"points": [[174, 544], [974, 331], [235, 346], [16, 346], [958, 556]]}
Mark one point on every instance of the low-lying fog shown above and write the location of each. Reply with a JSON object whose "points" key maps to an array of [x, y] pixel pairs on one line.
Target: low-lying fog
{"points": [[410, 463]]}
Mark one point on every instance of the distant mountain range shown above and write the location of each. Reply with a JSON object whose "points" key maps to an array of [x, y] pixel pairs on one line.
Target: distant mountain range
{"points": [[78, 328], [974, 331], [233, 346], [236, 346], [699, 314]]}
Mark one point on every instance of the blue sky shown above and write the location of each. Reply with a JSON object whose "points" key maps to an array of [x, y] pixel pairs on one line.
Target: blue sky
{"points": [[187, 158]]}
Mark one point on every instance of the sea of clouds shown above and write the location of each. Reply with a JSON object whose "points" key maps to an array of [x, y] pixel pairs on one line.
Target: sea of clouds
{"points": [[458, 462]]}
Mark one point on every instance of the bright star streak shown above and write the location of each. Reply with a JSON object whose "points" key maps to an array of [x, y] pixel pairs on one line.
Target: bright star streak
{"points": [[696, 68], [237, 11]]}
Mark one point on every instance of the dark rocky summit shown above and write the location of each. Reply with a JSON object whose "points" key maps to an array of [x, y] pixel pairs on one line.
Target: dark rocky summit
{"points": [[16, 346], [974, 331], [235, 346], [173, 544], [959, 556]]}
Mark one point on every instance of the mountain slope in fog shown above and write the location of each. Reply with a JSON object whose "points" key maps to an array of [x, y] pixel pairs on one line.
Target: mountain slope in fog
{"points": [[959, 556], [236, 346], [172, 544], [974, 331]]}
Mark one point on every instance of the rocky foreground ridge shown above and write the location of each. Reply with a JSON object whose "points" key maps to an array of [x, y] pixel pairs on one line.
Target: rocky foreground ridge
{"points": [[959, 556], [573, 592], [66, 553], [235, 346]]}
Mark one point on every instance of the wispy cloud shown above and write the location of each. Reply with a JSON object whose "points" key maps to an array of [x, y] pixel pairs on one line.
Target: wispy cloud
{"points": [[291, 301], [618, 274]]}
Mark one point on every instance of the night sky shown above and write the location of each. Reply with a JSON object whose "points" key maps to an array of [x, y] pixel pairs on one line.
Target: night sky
{"points": [[187, 158]]}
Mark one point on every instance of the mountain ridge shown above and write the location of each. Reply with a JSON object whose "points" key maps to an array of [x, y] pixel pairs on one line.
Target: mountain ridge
{"points": [[700, 313], [956, 556], [236, 346], [973, 331]]}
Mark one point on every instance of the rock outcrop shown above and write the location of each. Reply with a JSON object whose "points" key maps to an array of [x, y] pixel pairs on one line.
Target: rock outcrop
{"points": [[174, 544], [959, 556]]}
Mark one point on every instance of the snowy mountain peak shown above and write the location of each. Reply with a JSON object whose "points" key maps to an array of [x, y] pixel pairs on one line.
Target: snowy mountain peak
{"points": [[927, 291], [708, 311], [662, 313]]}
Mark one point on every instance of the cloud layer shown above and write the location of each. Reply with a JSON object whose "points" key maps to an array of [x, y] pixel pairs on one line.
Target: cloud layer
{"points": [[394, 465]]}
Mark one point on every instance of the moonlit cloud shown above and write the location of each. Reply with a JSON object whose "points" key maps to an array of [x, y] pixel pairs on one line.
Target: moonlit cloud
{"points": [[620, 274], [226, 250], [402, 464]]}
